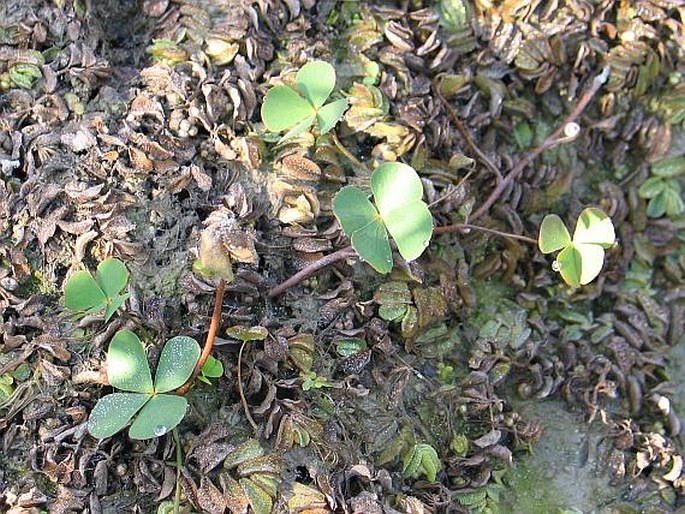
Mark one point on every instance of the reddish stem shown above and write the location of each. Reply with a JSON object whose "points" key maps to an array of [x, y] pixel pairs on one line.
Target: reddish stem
{"points": [[211, 337]]}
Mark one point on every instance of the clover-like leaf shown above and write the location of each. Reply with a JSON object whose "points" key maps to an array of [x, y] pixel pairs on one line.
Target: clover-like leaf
{"points": [[284, 108], [159, 415], [581, 258], [594, 227], [397, 191], [316, 81], [82, 292], [113, 412], [127, 366], [553, 234], [176, 364], [212, 368]]}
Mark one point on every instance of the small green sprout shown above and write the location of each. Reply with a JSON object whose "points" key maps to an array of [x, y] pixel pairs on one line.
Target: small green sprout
{"points": [[212, 368], [285, 108], [127, 369], [82, 292], [398, 210], [663, 189], [422, 459], [313, 381], [580, 259]]}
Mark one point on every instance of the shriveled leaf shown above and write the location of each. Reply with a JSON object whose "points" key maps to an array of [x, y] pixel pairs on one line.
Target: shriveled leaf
{"points": [[113, 412], [245, 334], [81, 292], [250, 449], [553, 234], [127, 366], [235, 497], [594, 227], [398, 194], [316, 81], [161, 414], [330, 114], [111, 276], [569, 261], [176, 364], [259, 499], [283, 108]]}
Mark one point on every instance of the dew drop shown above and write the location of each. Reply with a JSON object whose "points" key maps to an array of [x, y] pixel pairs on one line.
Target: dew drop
{"points": [[160, 430], [556, 267], [571, 129]]}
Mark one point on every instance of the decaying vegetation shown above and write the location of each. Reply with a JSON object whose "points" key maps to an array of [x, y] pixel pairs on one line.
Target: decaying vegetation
{"points": [[129, 128]]}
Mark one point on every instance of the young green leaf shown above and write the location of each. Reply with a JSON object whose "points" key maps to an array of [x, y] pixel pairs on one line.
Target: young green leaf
{"points": [[113, 412], [316, 81], [553, 234], [284, 108], [329, 115], [176, 364], [212, 368], [159, 415], [82, 292], [111, 276], [398, 193], [595, 227], [127, 366]]}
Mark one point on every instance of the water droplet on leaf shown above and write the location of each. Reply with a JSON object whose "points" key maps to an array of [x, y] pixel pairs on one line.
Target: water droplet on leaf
{"points": [[160, 430], [556, 267]]}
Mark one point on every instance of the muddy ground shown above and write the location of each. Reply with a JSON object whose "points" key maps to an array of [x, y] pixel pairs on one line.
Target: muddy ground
{"points": [[129, 127]]}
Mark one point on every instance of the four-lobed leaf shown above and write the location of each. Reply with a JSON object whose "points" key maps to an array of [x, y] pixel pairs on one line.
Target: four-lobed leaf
{"points": [[284, 108], [582, 257], [399, 210], [155, 411], [82, 292]]}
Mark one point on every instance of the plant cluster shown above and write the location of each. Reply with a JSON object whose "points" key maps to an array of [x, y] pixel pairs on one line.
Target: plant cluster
{"points": [[663, 189]]}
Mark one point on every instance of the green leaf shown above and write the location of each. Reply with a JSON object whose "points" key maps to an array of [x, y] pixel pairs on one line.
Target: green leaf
{"points": [[372, 244], [113, 304], [594, 227], [657, 205], [298, 129], [651, 187], [81, 292], [160, 415], [111, 276], [250, 449], [127, 366], [591, 261], [353, 209], [176, 364], [570, 267], [113, 412], [212, 368], [674, 201], [347, 347], [330, 114], [283, 108], [553, 234], [669, 167], [316, 81], [398, 193]]}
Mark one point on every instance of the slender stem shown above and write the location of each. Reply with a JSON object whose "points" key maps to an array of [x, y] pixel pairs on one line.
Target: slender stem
{"points": [[211, 337], [343, 150], [465, 227], [243, 400], [552, 140], [315, 266], [473, 148], [179, 463]]}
